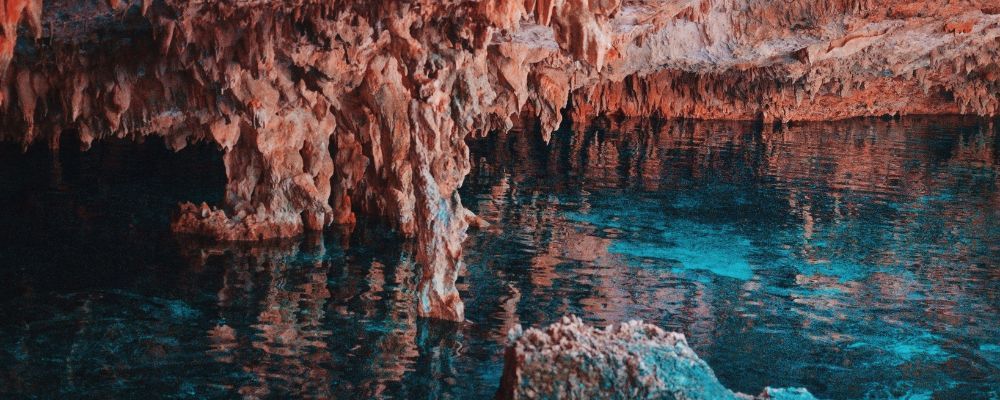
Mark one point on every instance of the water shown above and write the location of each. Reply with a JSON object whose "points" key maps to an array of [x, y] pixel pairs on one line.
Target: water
{"points": [[856, 258]]}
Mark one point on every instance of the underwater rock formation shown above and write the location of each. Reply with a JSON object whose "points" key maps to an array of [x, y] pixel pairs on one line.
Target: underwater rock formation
{"points": [[632, 360], [329, 108]]}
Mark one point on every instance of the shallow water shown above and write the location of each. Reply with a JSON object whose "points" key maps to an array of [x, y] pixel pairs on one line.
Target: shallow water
{"points": [[857, 259]]}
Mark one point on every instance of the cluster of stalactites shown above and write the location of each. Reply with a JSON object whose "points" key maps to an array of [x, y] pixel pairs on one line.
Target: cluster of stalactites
{"points": [[784, 61], [934, 89], [321, 108], [12, 12], [324, 109], [402, 85]]}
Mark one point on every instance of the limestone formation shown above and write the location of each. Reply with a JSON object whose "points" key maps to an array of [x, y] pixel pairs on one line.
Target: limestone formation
{"points": [[633, 360], [329, 108]]}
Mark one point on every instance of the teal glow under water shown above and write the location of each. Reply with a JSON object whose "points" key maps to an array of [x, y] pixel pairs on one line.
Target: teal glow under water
{"points": [[857, 259]]}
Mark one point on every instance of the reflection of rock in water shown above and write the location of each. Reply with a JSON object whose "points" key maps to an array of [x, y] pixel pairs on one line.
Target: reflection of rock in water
{"points": [[303, 318], [285, 348], [570, 360], [834, 224], [857, 165]]}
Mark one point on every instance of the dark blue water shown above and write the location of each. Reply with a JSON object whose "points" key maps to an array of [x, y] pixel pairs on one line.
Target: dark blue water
{"points": [[858, 259]]}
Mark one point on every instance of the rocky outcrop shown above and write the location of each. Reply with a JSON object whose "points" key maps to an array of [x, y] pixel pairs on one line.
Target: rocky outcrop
{"points": [[329, 108], [633, 360]]}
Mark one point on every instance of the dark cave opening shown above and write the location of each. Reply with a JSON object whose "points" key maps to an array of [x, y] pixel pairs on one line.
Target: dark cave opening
{"points": [[115, 198]]}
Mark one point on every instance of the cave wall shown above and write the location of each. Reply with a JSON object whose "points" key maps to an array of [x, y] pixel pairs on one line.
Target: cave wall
{"points": [[325, 109]]}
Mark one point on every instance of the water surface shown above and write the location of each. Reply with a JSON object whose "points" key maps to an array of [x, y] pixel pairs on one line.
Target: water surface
{"points": [[857, 259]]}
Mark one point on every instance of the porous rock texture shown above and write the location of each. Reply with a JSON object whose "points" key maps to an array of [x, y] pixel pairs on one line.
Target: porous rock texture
{"points": [[632, 360], [329, 108]]}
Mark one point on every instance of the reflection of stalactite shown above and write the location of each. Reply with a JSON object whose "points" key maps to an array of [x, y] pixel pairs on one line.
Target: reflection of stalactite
{"points": [[443, 340], [854, 168], [507, 312], [288, 332], [651, 163], [292, 337], [391, 355]]}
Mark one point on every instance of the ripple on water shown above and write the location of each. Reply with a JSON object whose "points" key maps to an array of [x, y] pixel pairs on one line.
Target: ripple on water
{"points": [[856, 258]]}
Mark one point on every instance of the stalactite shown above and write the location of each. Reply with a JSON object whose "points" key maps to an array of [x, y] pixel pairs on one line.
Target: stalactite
{"points": [[326, 109]]}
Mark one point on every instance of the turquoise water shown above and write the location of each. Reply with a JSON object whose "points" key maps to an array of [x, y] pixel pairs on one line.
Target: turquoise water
{"points": [[857, 259]]}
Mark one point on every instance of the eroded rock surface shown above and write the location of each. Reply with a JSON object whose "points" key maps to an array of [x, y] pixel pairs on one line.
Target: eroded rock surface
{"points": [[329, 108], [632, 360]]}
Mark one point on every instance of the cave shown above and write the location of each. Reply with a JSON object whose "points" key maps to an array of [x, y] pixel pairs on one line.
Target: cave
{"points": [[322, 199]]}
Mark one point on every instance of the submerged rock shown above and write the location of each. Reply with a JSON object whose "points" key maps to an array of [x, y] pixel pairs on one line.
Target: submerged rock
{"points": [[632, 360]]}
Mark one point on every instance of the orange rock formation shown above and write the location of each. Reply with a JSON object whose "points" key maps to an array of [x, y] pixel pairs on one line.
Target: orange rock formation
{"points": [[328, 108]]}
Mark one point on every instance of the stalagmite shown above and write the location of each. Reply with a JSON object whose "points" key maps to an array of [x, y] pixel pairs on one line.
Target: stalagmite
{"points": [[325, 109]]}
